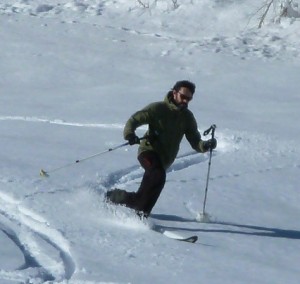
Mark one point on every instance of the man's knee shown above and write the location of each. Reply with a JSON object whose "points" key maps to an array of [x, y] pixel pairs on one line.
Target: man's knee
{"points": [[150, 160]]}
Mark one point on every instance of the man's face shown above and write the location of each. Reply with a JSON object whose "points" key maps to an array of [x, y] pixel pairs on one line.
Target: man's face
{"points": [[182, 97]]}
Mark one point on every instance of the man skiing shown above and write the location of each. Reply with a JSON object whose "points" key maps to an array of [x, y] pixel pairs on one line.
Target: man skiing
{"points": [[168, 121]]}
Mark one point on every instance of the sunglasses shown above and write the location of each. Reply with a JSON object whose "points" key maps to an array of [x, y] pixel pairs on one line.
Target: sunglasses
{"points": [[185, 97]]}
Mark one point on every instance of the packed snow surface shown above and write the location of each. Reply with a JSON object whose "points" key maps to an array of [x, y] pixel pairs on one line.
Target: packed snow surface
{"points": [[72, 73]]}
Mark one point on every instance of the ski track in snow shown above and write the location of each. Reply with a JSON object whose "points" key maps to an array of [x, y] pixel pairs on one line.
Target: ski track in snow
{"points": [[119, 179], [60, 122], [228, 143], [124, 176], [27, 230]]}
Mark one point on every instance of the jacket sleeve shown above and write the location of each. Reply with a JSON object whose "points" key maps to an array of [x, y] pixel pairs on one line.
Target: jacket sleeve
{"points": [[139, 118], [193, 135]]}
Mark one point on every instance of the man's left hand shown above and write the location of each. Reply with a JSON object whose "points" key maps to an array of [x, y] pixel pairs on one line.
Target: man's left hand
{"points": [[210, 144]]}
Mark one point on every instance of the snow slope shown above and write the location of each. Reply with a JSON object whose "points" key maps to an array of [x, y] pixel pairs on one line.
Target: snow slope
{"points": [[72, 72]]}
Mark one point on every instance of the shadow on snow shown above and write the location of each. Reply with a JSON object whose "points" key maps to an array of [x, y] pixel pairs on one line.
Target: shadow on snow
{"points": [[231, 228]]}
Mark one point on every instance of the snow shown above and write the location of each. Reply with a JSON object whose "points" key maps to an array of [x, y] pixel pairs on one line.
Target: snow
{"points": [[72, 73]]}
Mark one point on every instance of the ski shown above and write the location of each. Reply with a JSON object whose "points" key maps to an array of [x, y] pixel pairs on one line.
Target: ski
{"points": [[191, 239], [174, 235], [157, 228]]}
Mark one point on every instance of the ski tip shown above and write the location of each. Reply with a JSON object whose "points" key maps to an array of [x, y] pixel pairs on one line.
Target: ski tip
{"points": [[191, 239]]}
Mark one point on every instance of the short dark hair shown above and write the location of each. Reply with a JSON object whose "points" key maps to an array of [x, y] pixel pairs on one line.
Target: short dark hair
{"points": [[184, 84]]}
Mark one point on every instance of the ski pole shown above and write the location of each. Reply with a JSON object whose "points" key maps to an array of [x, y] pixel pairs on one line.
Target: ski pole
{"points": [[44, 173], [212, 130]]}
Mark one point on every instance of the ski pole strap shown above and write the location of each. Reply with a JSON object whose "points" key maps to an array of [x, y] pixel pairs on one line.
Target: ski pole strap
{"points": [[212, 128]]}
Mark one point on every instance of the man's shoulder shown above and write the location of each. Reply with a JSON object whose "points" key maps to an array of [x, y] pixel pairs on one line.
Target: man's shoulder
{"points": [[156, 105], [188, 114]]}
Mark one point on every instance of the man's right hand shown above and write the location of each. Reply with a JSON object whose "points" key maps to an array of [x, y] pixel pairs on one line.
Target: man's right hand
{"points": [[133, 139]]}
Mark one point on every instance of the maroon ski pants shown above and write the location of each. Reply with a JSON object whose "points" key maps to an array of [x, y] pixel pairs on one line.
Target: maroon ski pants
{"points": [[151, 186]]}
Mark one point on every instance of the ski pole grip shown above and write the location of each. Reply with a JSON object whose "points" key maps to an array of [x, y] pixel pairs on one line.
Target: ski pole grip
{"points": [[213, 131]]}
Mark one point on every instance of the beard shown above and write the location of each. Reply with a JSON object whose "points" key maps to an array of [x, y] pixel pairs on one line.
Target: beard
{"points": [[182, 106]]}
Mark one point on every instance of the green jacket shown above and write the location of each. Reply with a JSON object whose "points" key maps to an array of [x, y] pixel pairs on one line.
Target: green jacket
{"points": [[166, 126]]}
